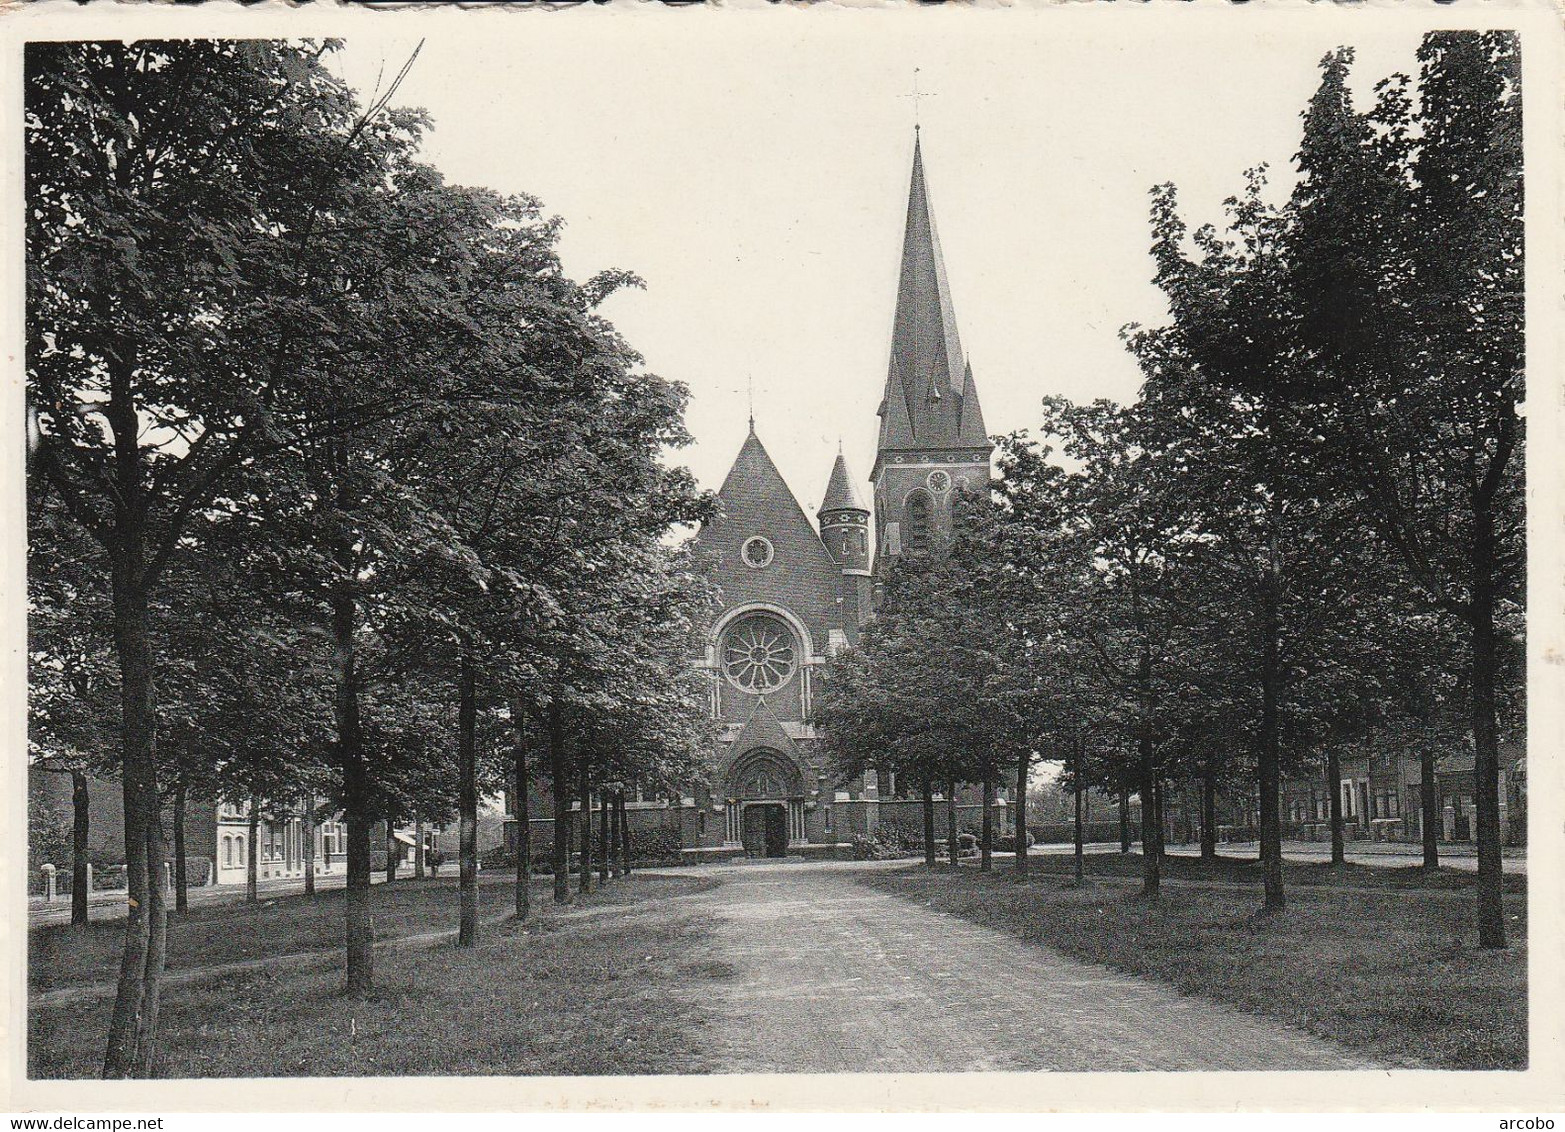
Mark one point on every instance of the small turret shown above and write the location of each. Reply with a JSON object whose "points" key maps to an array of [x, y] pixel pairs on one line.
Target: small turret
{"points": [[844, 521]]}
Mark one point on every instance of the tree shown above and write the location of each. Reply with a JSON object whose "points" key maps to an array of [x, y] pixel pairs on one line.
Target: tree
{"points": [[1340, 379], [73, 680], [1114, 579], [1409, 251], [944, 685], [175, 192]]}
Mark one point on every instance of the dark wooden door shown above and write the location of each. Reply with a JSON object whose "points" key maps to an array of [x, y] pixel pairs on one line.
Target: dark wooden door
{"points": [[755, 830], [776, 831]]}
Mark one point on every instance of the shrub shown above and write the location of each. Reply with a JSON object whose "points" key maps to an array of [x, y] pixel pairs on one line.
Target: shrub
{"points": [[197, 870], [1063, 833], [867, 847], [1005, 840], [659, 845], [906, 837]]}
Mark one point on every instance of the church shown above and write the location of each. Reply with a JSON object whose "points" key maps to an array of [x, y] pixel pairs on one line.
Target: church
{"points": [[796, 589], [794, 592]]}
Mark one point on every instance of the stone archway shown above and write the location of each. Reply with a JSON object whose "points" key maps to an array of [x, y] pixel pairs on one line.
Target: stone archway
{"points": [[765, 792]]}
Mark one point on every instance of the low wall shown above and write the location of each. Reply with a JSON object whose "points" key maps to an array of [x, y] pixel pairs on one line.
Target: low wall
{"points": [[906, 816]]}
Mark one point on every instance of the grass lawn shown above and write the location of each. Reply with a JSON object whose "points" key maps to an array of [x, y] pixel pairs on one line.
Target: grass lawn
{"points": [[1247, 871], [566, 994], [1397, 976], [59, 955]]}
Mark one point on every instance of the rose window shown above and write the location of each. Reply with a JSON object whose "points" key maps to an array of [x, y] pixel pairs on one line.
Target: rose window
{"points": [[758, 654]]}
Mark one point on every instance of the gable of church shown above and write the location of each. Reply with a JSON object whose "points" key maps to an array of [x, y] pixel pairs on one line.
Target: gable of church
{"points": [[790, 568]]}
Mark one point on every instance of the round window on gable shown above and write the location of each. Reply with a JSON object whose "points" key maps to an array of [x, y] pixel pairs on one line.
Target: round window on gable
{"points": [[759, 653], [757, 552]]}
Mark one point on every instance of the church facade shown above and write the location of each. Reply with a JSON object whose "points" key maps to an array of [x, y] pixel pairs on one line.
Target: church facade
{"points": [[795, 591]]}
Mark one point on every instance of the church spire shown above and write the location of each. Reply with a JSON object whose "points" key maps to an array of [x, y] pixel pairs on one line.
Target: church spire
{"points": [[932, 435], [927, 402]]}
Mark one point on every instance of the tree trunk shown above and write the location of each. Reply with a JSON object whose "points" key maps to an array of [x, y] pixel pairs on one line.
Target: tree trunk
{"points": [[985, 864], [524, 828], [181, 880], [1151, 863], [1269, 753], [1151, 814], [80, 819], [611, 833], [1428, 806], [584, 789], [1124, 817], [418, 848], [1159, 818], [1080, 836], [951, 839], [624, 833], [559, 771], [253, 855], [1334, 804], [391, 851], [157, 940], [604, 863], [1023, 765], [1486, 734], [624, 826], [1209, 809], [309, 844], [929, 822], [133, 1025], [467, 798], [358, 927]]}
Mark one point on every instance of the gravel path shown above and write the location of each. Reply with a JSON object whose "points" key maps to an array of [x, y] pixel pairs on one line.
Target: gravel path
{"points": [[829, 975]]}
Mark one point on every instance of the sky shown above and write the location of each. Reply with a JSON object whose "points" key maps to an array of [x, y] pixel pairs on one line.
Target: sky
{"points": [[753, 170]]}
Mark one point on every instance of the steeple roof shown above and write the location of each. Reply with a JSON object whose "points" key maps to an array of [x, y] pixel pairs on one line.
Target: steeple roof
{"points": [[930, 399], [842, 492]]}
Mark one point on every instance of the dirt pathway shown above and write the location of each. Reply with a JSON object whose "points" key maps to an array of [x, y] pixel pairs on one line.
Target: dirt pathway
{"points": [[829, 975]]}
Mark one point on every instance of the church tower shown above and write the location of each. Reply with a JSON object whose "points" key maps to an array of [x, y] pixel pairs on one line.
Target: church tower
{"points": [[932, 436]]}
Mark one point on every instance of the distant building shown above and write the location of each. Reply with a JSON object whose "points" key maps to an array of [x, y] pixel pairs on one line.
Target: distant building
{"points": [[217, 836], [1381, 801]]}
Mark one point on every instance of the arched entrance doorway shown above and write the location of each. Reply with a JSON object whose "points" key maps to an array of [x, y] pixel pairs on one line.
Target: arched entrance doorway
{"points": [[765, 829], [765, 803]]}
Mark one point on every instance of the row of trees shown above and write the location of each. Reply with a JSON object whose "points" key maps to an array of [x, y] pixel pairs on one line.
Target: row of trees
{"points": [[1308, 529], [343, 497]]}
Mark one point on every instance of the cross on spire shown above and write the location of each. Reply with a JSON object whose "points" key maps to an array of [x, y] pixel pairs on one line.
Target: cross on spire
{"points": [[915, 94]]}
